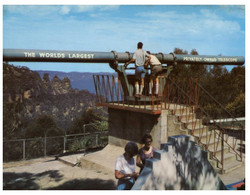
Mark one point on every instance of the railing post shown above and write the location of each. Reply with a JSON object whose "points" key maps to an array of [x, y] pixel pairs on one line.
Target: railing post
{"points": [[24, 149], [96, 139], [215, 138], [64, 143], [222, 151], [84, 150], [241, 145], [45, 147]]}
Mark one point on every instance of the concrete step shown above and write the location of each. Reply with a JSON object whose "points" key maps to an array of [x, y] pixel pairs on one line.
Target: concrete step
{"points": [[230, 161], [203, 136], [181, 110], [197, 129], [187, 118], [104, 158], [193, 124], [228, 167], [184, 116], [211, 144], [218, 149], [228, 157]]}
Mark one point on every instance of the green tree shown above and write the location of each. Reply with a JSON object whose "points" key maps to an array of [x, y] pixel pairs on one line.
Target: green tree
{"points": [[44, 125], [197, 71], [180, 70], [88, 117], [222, 85], [11, 119], [237, 107], [236, 81]]}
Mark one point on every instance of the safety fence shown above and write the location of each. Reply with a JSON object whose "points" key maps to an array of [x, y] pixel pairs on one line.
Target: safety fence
{"points": [[22, 149], [111, 91], [214, 128]]}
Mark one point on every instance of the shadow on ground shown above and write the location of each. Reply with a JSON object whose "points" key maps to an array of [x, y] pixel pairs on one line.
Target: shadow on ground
{"points": [[29, 181], [86, 184]]}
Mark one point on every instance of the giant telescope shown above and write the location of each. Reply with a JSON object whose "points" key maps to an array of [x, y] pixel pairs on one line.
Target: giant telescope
{"points": [[25, 55], [114, 58]]}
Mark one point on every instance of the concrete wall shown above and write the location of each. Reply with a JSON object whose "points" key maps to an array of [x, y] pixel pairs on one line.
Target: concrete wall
{"points": [[127, 126]]}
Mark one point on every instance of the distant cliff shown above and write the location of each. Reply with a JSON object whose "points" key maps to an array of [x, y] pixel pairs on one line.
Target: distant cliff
{"points": [[78, 80], [26, 95]]}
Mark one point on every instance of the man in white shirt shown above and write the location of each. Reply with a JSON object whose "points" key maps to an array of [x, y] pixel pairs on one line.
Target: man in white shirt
{"points": [[139, 58], [125, 167]]}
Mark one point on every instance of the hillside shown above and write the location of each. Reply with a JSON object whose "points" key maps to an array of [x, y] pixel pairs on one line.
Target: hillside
{"points": [[26, 96]]}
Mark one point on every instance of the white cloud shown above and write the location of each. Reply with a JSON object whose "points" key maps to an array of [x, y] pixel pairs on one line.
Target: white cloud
{"points": [[159, 15], [31, 10], [200, 24], [160, 31], [65, 10], [208, 14], [47, 10], [89, 8], [109, 7], [84, 8]]}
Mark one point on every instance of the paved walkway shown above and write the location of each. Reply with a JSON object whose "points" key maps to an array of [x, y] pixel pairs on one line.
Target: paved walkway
{"points": [[100, 158], [96, 172], [51, 174]]}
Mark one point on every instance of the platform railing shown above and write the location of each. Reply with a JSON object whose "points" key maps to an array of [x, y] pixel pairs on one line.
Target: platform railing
{"points": [[110, 91], [211, 123], [209, 127]]}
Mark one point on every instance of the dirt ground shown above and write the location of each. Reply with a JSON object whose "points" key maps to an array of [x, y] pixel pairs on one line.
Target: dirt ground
{"points": [[51, 174]]}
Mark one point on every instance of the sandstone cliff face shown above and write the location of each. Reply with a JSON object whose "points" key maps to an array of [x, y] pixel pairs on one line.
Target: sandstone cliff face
{"points": [[56, 86], [29, 96]]}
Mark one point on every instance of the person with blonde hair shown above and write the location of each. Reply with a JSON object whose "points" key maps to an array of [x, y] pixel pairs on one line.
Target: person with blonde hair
{"points": [[156, 69]]}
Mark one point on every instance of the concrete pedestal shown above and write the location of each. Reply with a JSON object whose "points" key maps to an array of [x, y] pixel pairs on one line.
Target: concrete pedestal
{"points": [[127, 126]]}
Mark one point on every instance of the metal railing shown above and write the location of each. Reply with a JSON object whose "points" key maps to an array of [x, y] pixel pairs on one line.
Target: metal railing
{"points": [[183, 97], [209, 127], [22, 149], [110, 92]]}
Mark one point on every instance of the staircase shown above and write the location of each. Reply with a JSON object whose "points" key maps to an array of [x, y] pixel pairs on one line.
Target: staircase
{"points": [[222, 148], [182, 98]]}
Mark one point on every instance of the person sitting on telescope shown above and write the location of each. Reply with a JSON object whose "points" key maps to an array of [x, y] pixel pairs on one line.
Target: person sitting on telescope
{"points": [[145, 152], [139, 58], [156, 69], [125, 167]]}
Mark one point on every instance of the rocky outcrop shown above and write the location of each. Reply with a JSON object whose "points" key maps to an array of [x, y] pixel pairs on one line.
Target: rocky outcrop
{"points": [[29, 96], [57, 86]]}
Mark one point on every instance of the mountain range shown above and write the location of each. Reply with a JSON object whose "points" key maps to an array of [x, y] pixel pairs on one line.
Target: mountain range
{"points": [[78, 80], [28, 94]]}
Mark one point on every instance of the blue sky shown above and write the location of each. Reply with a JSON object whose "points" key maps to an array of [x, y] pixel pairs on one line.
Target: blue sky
{"points": [[210, 29]]}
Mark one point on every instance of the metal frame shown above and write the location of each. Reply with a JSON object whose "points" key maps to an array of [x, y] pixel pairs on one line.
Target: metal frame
{"points": [[182, 99]]}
